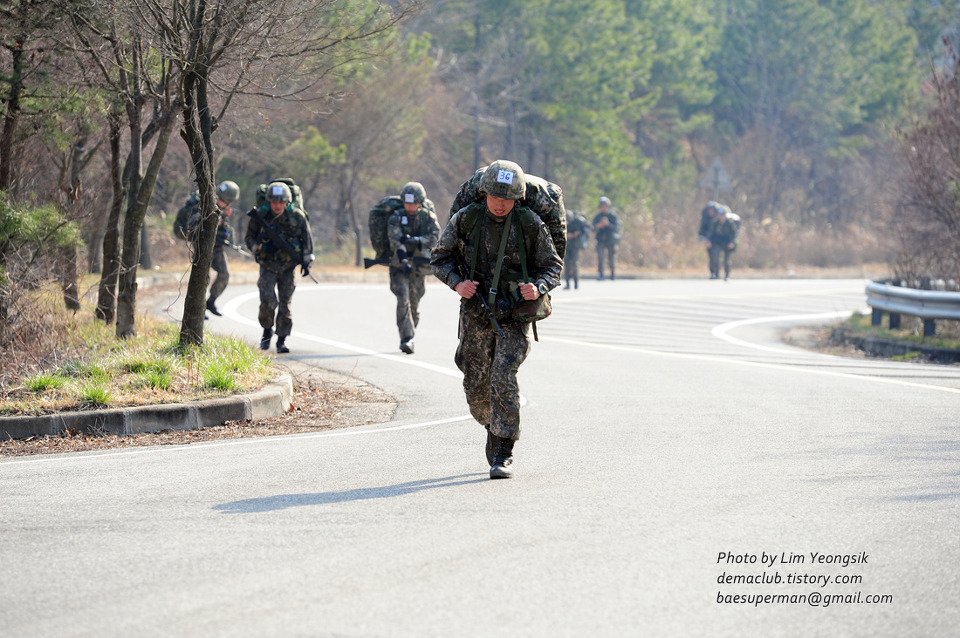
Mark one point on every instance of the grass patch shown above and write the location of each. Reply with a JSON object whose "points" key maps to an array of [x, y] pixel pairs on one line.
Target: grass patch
{"points": [[42, 382], [87, 366], [910, 331], [94, 395]]}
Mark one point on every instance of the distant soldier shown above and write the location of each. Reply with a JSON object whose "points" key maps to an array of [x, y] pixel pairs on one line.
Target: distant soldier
{"points": [[606, 226], [279, 237], [707, 216], [496, 255], [412, 233], [578, 237], [227, 193], [723, 239]]}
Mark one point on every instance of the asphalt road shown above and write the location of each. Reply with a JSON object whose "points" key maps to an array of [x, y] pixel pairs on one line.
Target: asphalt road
{"points": [[671, 445]]}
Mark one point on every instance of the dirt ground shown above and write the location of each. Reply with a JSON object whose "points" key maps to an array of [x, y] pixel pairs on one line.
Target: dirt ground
{"points": [[322, 400]]}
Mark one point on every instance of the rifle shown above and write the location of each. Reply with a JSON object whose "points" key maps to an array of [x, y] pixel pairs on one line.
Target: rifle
{"points": [[419, 261], [479, 295], [283, 243], [238, 249]]}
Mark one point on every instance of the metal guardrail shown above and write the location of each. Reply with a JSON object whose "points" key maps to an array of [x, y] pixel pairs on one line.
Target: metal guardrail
{"points": [[928, 305]]}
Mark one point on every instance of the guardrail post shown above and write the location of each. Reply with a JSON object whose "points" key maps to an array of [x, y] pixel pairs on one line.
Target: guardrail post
{"points": [[929, 327], [894, 320], [876, 317]]}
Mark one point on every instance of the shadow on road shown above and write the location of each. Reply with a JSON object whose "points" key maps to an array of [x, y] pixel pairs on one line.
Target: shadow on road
{"points": [[284, 501]]}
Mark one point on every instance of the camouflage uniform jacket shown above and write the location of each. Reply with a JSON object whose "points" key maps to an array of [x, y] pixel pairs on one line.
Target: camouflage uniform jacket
{"points": [[608, 235], [422, 228], [292, 225], [224, 232], [460, 240], [722, 233]]}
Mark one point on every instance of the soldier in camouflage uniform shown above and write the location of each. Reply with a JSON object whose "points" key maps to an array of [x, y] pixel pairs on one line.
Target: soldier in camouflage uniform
{"points": [[466, 259], [412, 232], [227, 193], [279, 253], [578, 236], [606, 227]]}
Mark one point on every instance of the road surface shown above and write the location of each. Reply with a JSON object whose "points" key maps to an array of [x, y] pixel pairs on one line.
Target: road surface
{"points": [[681, 472]]}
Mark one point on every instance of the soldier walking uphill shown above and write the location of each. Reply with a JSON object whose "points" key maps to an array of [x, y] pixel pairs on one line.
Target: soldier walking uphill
{"points": [[227, 193], [278, 235], [412, 232], [606, 225], [495, 255]]}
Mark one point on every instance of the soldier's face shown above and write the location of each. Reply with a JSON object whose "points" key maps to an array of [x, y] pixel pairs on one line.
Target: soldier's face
{"points": [[499, 206], [277, 207], [410, 207]]}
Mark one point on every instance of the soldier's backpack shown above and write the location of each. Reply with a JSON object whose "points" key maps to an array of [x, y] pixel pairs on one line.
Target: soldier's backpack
{"points": [[377, 222], [542, 197], [295, 193], [183, 216]]}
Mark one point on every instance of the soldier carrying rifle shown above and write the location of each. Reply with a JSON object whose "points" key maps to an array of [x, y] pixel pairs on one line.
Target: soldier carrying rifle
{"points": [[279, 237]]}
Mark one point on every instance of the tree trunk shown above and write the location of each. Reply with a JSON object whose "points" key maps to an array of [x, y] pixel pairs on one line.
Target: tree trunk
{"points": [[127, 297], [12, 116], [197, 132], [107, 293]]}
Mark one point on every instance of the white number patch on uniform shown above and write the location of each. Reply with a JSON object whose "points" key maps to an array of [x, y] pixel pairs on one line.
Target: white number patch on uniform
{"points": [[403, 220], [505, 177]]}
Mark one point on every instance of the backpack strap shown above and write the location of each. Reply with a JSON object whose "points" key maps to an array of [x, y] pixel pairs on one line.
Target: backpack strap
{"points": [[523, 265], [492, 296]]}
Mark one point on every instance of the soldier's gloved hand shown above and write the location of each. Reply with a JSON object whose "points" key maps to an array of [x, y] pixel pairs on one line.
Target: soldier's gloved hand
{"points": [[413, 244], [401, 254], [304, 270]]}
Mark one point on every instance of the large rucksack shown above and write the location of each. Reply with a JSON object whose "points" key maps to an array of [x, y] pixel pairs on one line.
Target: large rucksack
{"points": [[377, 222], [183, 216], [542, 197], [295, 193]]}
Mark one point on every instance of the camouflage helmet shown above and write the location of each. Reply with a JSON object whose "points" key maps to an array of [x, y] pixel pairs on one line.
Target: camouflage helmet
{"points": [[278, 192], [605, 200], [228, 191], [503, 179], [413, 193]]}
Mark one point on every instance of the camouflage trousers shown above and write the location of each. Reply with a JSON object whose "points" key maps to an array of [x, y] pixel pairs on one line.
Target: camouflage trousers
{"points": [[276, 291], [606, 253], [219, 266], [571, 264], [409, 290], [489, 364]]}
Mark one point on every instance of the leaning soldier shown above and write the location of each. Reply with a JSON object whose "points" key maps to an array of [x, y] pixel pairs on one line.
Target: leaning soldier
{"points": [[606, 226], [279, 237], [412, 232], [227, 193], [482, 255], [723, 240]]}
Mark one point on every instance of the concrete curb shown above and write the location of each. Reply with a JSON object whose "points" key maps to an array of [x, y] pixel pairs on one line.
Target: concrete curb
{"points": [[270, 401]]}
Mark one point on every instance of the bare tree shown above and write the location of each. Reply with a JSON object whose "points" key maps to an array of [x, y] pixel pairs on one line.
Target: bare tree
{"points": [[929, 220], [223, 49]]}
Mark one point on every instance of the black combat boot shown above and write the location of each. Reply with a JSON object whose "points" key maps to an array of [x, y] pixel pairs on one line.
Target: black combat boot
{"points": [[265, 339], [406, 346], [502, 459], [213, 308], [281, 347]]}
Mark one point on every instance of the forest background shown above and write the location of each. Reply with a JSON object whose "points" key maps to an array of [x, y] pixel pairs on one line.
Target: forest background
{"points": [[832, 117]]}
